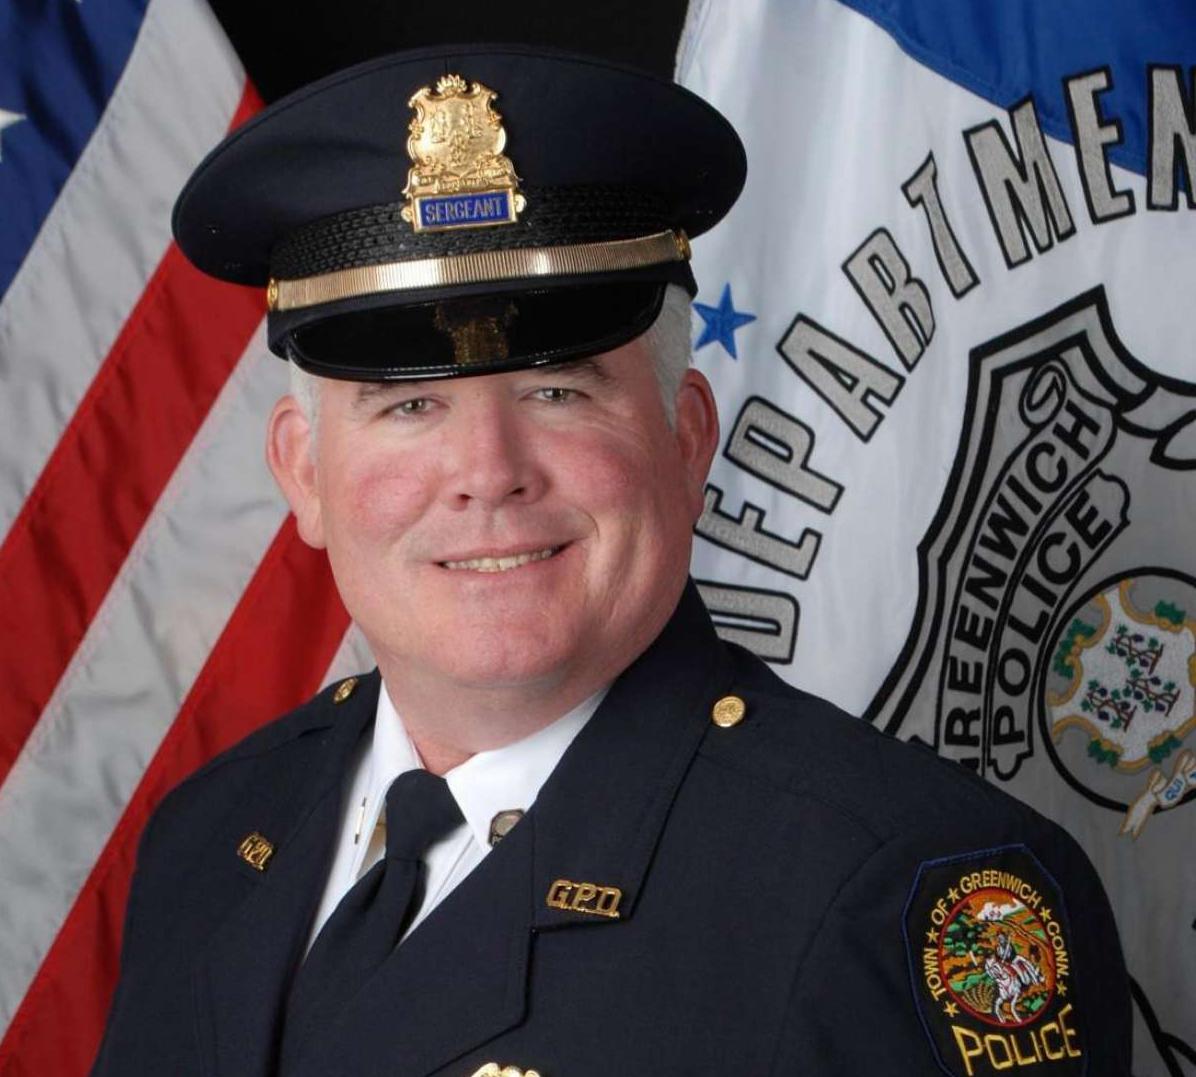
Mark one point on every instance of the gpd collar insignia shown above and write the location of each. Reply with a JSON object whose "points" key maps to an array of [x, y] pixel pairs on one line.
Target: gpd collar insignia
{"points": [[256, 851], [990, 965], [593, 899]]}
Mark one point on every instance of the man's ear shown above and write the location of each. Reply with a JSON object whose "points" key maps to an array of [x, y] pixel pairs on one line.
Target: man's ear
{"points": [[697, 435], [290, 452]]}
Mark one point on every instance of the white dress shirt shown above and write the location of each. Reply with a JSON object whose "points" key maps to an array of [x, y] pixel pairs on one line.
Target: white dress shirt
{"points": [[504, 779]]}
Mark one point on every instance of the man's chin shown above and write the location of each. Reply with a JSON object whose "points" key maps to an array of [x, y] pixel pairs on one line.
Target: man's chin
{"points": [[530, 672], [492, 654]]}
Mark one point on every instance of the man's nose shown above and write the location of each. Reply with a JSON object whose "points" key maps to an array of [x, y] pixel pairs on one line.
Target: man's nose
{"points": [[490, 460]]}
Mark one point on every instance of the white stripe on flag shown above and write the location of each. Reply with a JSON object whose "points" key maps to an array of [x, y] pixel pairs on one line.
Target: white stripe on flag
{"points": [[145, 647], [107, 232]]}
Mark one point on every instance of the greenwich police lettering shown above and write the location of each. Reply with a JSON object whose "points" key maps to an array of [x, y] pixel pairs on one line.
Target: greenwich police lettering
{"points": [[1047, 517]]}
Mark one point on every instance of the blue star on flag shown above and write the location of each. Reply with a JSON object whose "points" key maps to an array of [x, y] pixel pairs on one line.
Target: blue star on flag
{"points": [[721, 323]]}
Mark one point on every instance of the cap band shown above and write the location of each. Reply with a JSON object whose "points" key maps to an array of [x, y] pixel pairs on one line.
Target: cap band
{"points": [[526, 263]]}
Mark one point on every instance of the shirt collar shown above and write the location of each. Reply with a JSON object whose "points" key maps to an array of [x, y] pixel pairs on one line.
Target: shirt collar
{"points": [[487, 783]]}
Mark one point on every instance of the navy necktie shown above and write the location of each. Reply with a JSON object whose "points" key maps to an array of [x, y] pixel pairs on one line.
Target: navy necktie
{"points": [[370, 920]]}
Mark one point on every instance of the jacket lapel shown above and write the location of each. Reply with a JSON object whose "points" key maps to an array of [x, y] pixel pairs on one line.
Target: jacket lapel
{"points": [[242, 982], [460, 979], [601, 813]]}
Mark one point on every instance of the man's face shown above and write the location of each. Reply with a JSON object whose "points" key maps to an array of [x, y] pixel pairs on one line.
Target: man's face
{"points": [[523, 529]]}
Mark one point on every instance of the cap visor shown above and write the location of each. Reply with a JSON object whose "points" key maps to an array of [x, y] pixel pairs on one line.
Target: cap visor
{"points": [[476, 335]]}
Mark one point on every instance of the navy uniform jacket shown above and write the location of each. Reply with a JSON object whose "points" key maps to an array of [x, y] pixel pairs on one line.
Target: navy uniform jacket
{"points": [[778, 882]]}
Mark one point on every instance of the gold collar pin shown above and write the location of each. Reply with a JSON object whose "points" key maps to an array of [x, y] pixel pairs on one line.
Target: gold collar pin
{"points": [[256, 851], [588, 898], [503, 823]]}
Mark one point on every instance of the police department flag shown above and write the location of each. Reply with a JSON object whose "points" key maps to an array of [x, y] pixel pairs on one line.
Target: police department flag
{"points": [[950, 326]]}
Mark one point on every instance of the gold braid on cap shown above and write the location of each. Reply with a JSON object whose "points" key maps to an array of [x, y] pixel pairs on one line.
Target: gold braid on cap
{"points": [[525, 263]]}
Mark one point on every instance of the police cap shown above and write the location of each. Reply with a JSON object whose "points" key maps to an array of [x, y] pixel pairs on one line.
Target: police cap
{"points": [[462, 210]]}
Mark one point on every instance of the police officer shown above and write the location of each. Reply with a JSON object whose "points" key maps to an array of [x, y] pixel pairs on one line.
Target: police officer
{"points": [[562, 829]]}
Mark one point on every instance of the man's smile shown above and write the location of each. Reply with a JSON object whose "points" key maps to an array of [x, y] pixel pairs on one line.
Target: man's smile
{"points": [[501, 562]]}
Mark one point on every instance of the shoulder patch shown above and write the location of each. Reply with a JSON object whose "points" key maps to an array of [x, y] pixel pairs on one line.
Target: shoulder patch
{"points": [[990, 968]]}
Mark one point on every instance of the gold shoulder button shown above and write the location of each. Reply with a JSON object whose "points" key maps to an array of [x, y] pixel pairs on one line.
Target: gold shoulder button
{"points": [[344, 690], [728, 712]]}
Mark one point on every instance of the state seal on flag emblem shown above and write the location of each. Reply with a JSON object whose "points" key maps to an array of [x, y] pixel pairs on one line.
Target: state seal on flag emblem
{"points": [[1122, 682], [1057, 614], [988, 948]]}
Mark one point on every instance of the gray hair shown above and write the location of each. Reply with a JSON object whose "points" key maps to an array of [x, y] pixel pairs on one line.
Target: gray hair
{"points": [[669, 342], [667, 339]]}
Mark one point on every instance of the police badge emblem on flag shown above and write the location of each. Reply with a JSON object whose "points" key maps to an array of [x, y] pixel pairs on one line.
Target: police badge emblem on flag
{"points": [[1059, 617], [988, 947]]}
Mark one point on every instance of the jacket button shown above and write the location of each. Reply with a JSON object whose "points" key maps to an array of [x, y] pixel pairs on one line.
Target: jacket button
{"points": [[728, 712], [344, 690]]}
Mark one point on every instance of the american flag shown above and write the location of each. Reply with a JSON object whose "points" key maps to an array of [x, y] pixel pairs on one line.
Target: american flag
{"points": [[156, 603]]}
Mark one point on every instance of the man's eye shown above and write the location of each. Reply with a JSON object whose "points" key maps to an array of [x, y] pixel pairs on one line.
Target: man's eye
{"points": [[416, 406], [554, 394]]}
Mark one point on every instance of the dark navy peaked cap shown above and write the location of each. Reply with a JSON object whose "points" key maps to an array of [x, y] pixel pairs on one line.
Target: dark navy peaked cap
{"points": [[462, 210]]}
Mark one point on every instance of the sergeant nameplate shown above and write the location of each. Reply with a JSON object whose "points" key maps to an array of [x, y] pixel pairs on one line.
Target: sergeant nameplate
{"points": [[988, 948], [464, 210]]}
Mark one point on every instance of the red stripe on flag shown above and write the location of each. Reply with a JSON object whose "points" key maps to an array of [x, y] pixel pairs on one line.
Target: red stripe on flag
{"points": [[152, 392], [270, 657]]}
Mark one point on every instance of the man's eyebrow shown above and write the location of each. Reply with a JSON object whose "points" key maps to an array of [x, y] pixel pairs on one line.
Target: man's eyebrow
{"points": [[369, 391], [589, 368]]}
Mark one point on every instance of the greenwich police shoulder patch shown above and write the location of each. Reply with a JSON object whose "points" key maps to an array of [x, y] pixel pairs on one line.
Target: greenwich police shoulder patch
{"points": [[990, 967]]}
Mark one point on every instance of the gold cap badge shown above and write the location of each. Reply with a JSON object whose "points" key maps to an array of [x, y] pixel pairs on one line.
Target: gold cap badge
{"points": [[459, 177], [728, 712]]}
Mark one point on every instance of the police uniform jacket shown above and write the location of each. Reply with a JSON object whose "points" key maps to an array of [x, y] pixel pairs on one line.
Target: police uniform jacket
{"points": [[682, 898]]}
